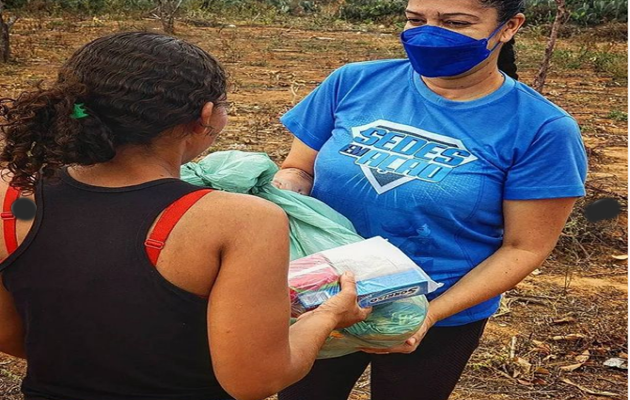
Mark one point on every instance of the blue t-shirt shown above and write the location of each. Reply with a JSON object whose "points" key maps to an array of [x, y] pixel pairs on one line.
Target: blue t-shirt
{"points": [[431, 174]]}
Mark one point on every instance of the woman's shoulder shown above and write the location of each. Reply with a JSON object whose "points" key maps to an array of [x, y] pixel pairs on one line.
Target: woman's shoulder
{"points": [[540, 106], [240, 210], [223, 220], [369, 75], [386, 64], [540, 119]]}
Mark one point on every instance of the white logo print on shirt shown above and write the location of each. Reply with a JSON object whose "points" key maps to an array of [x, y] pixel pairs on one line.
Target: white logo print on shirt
{"points": [[392, 154]]}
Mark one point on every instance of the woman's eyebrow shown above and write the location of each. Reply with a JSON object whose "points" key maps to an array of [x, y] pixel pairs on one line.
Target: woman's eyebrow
{"points": [[447, 15]]}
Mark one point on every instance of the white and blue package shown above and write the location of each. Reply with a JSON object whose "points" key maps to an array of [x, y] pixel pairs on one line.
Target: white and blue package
{"points": [[384, 274]]}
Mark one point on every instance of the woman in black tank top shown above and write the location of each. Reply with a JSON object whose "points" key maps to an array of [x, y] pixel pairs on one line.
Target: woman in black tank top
{"points": [[92, 294]]}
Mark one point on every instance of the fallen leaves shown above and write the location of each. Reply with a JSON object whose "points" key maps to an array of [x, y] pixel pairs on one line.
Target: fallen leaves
{"points": [[565, 320], [570, 337], [541, 347], [618, 363], [571, 368], [581, 360], [524, 367], [589, 391], [542, 371], [524, 370]]}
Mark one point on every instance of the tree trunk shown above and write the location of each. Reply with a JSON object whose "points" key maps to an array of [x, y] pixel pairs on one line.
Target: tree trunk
{"points": [[5, 44], [6, 23], [167, 9], [561, 14], [169, 24]]}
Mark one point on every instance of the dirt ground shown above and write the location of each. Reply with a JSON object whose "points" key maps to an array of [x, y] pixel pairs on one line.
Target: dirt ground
{"points": [[555, 330]]}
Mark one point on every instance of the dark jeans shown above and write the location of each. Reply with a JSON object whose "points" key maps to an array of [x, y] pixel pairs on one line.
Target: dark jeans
{"points": [[429, 373]]}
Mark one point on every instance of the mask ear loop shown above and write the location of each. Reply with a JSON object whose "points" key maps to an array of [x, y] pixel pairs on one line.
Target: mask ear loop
{"points": [[493, 35]]}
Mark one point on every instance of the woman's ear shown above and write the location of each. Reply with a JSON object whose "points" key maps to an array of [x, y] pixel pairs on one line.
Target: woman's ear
{"points": [[203, 126], [513, 26]]}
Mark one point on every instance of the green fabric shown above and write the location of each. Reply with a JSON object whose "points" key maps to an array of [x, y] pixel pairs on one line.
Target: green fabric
{"points": [[314, 226]]}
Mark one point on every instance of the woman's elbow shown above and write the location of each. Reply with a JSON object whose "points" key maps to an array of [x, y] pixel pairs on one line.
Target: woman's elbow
{"points": [[13, 348], [251, 390], [253, 382]]}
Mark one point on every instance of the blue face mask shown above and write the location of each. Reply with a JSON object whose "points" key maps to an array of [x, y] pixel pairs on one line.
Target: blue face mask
{"points": [[438, 52]]}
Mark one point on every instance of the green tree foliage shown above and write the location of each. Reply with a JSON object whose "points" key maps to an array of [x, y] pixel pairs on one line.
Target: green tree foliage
{"points": [[372, 10], [583, 12], [591, 12]]}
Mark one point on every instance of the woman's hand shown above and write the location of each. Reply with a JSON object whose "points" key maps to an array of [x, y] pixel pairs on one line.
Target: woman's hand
{"points": [[412, 343], [343, 307], [293, 179]]}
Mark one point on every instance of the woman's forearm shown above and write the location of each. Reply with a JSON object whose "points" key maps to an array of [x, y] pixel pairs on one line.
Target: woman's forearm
{"points": [[496, 275], [306, 337]]}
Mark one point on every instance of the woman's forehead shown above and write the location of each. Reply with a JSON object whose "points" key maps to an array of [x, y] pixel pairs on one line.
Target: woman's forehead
{"points": [[440, 7]]}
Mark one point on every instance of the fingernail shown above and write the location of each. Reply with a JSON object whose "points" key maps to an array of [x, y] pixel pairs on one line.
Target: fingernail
{"points": [[412, 341]]}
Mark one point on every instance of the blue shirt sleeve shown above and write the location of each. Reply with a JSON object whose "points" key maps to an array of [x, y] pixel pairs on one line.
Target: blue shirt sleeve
{"points": [[313, 119], [553, 166]]}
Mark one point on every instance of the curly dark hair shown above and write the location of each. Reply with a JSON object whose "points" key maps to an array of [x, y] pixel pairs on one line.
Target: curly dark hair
{"points": [[134, 86]]}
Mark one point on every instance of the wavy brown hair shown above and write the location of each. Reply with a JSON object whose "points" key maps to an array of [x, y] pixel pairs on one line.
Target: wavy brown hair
{"points": [[134, 86]]}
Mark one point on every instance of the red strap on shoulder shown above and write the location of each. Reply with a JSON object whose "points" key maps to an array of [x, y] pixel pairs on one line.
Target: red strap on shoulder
{"points": [[8, 219], [171, 216]]}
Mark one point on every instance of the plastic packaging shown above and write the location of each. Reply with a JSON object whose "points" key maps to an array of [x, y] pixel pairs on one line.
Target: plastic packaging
{"points": [[314, 226], [389, 325], [386, 279], [383, 273]]}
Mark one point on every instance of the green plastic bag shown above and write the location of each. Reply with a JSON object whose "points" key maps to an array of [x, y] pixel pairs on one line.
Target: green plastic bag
{"points": [[389, 325], [314, 226]]}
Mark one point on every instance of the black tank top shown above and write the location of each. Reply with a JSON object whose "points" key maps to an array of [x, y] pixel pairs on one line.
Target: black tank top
{"points": [[101, 322]]}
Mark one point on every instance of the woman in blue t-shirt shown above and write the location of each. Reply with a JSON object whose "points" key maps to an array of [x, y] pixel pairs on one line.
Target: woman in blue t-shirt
{"points": [[470, 172]]}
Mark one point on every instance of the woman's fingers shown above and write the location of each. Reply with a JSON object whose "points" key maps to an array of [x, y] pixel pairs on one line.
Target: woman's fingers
{"points": [[348, 283], [294, 180], [416, 338], [408, 347], [344, 305]]}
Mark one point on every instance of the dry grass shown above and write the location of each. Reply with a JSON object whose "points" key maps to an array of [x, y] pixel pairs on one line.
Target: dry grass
{"points": [[581, 290]]}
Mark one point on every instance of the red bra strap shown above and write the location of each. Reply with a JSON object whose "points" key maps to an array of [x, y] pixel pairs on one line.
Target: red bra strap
{"points": [[8, 219], [171, 216]]}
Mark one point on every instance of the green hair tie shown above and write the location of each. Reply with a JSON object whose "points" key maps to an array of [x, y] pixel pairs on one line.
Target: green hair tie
{"points": [[79, 111]]}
